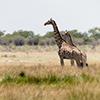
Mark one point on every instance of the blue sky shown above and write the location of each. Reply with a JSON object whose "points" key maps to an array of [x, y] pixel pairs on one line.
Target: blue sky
{"points": [[31, 15]]}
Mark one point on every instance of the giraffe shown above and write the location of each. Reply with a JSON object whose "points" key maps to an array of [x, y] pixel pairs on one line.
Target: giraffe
{"points": [[66, 51], [66, 35]]}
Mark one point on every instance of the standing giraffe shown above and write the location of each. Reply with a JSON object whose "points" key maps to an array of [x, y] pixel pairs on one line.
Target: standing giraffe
{"points": [[66, 35], [66, 51]]}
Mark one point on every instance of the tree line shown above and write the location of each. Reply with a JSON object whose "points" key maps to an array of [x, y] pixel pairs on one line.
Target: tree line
{"points": [[24, 37]]}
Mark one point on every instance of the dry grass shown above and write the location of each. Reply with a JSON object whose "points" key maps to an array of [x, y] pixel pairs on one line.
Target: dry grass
{"points": [[43, 63], [51, 92], [85, 90], [41, 54]]}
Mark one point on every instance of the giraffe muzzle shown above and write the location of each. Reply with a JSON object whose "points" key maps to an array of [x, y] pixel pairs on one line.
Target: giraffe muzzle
{"points": [[45, 24]]}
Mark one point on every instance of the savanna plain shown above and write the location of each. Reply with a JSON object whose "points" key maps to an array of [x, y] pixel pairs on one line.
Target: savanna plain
{"points": [[34, 73]]}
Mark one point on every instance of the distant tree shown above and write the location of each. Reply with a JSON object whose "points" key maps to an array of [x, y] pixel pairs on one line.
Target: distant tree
{"points": [[25, 34], [77, 34], [38, 36], [2, 33], [86, 40], [61, 32], [95, 32], [8, 35], [49, 35], [73, 31], [85, 34], [28, 34]]}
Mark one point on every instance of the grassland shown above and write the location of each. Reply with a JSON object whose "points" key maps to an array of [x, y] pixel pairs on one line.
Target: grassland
{"points": [[34, 73]]}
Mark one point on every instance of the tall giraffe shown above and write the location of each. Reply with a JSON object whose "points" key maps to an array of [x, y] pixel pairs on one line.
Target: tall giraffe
{"points": [[66, 35], [66, 51]]}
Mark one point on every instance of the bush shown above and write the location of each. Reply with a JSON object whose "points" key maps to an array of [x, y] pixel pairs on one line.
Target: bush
{"points": [[47, 41], [42, 42], [52, 41], [30, 41], [4, 41], [36, 41], [98, 42], [18, 40], [77, 41], [86, 40]]}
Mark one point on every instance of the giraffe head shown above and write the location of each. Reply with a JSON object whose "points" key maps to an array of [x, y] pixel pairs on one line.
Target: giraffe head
{"points": [[65, 34], [48, 22]]}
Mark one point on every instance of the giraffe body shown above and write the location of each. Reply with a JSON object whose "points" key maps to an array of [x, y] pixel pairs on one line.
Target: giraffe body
{"points": [[68, 38], [66, 51]]}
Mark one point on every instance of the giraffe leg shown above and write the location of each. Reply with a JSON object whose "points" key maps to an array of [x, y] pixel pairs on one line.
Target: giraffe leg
{"points": [[62, 61], [84, 61], [78, 63], [72, 62]]}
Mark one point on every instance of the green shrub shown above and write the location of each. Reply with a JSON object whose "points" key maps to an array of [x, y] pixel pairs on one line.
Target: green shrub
{"points": [[50, 79]]}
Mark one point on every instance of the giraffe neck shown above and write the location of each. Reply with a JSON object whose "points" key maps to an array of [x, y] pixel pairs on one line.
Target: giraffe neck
{"points": [[69, 39], [57, 35]]}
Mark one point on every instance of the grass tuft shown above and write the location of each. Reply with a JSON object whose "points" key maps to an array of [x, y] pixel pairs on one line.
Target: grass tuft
{"points": [[87, 77]]}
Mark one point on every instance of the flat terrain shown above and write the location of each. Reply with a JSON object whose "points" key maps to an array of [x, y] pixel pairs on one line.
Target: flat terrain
{"points": [[43, 78]]}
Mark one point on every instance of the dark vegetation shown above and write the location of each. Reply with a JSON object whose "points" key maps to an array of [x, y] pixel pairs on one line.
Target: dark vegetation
{"points": [[50, 79], [20, 37]]}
